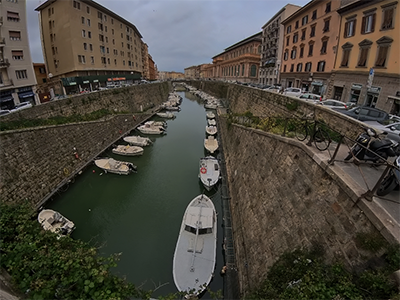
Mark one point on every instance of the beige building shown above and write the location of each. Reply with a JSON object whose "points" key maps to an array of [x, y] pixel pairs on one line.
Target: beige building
{"points": [[271, 46], [86, 45], [17, 78], [192, 72], [239, 62], [145, 61], [367, 67], [310, 45]]}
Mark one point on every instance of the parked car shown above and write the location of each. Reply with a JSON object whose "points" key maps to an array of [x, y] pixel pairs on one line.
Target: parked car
{"points": [[394, 118], [21, 106], [311, 97], [392, 129], [351, 104], [365, 113], [4, 112], [331, 103], [292, 92]]}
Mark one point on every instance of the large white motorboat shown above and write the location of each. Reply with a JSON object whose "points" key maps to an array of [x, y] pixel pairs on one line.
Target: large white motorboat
{"points": [[136, 140], [55, 222], [211, 144], [115, 166], [209, 172], [151, 129], [195, 251], [211, 130], [128, 150]]}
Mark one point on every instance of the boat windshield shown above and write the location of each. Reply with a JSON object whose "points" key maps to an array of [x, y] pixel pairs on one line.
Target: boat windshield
{"points": [[201, 230]]}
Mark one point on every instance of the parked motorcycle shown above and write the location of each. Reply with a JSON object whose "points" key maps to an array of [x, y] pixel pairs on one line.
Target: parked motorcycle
{"points": [[391, 180], [374, 149]]}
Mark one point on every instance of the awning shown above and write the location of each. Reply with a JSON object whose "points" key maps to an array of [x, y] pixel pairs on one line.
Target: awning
{"points": [[26, 94], [6, 98]]}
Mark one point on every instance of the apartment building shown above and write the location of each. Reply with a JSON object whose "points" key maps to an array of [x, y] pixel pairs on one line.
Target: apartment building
{"points": [[145, 61], [239, 62], [271, 45], [17, 78], [192, 72], [152, 68], [310, 46], [367, 67], [86, 45]]}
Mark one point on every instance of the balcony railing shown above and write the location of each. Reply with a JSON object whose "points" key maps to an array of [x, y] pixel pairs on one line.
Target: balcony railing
{"points": [[4, 63], [6, 83], [2, 42]]}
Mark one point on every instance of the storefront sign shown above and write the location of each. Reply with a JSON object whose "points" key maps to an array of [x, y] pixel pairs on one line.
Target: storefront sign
{"points": [[356, 86], [86, 81], [374, 89], [317, 82], [96, 80], [116, 79]]}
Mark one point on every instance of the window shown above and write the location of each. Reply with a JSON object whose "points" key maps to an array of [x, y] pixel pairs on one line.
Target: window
{"points": [[88, 9], [15, 35], [345, 58], [303, 34], [368, 23], [100, 15], [287, 40], [293, 53], [299, 67], [289, 29], [83, 20], [77, 5], [102, 49], [291, 67], [321, 66], [81, 59], [21, 74], [84, 46], [310, 49], [284, 68], [42, 70], [307, 67], [324, 46], [83, 33], [383, 50], [12, 16], [350, 28], [286, 55], [301, 51], [88, 22], [17, 54], [253, 70], [304, 20], [89, 35], [314, 15], [326, 25], [388, 14], [295, 37], [103, 60], [297, 25], [55, 63], [101, 38], [90, 47], [365, 45], [100, 26], [312, 33], [328, 7]]}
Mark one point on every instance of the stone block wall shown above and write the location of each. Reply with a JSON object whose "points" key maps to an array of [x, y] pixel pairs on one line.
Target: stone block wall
{"points": [[281, 199]]}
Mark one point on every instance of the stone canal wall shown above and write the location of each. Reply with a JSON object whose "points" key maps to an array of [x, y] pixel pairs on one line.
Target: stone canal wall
{"points": [[283, 199], [35, 162]]}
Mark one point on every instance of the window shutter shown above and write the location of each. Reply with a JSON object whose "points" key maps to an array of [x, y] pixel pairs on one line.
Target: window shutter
{"points": [[354, 27], [373, 22], [363, 24], [380, 62], [346, 28]]}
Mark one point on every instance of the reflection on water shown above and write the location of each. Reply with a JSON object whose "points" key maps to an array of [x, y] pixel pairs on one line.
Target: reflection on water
{"points": [[140, 214]]}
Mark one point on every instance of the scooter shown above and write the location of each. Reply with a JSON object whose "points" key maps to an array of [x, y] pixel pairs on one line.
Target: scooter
{"points": [[373, 150], [391, 180]]}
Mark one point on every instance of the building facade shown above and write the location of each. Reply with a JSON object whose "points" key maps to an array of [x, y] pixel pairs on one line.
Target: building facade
{"points": [[17, 77], [86, 45], [145, 62], [367, 67], [310, 46], [152, 68], [239, 62], [192, 72], [271, 46]]}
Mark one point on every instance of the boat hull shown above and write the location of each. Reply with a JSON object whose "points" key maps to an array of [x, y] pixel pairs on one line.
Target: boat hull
{"points": [[128, 150], [137, 141], [195, 254], [209, 172], [55, 222], [116, 167]]}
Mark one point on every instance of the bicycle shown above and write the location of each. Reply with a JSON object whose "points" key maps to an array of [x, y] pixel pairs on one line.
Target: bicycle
{"points": [[318, 135]]}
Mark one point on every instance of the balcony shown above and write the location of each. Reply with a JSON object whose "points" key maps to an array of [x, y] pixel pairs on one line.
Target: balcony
{"points": [[2, 42], [1, 21], [6, 83], [4, 63]]}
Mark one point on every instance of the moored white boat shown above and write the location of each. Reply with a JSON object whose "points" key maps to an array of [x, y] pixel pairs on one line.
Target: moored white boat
{"points": [[151, 129], [173, 108], [212, 122], [115, 166], [211, 144], [195, 251], [209, 171], [128, 150], [210, 115], [167, 115], [55, 222], [136, 140], [211, 130], [162, 124]]}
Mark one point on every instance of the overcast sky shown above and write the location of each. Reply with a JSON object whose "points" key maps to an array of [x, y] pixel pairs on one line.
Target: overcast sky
{"points": [[181, 33]]}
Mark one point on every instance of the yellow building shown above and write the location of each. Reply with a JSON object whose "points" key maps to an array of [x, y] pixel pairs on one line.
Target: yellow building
{"points": [[87, 45], [367, 66]]}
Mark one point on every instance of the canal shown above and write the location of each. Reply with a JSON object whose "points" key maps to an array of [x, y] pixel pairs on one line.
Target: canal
{"points": [[139, 215]]}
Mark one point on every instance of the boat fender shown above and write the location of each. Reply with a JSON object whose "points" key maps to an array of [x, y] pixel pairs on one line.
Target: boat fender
{"points": [[203, 170], [66, 171]]}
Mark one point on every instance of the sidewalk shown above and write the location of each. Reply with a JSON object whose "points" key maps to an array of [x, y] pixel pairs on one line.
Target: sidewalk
{"points": [[383, 211]]}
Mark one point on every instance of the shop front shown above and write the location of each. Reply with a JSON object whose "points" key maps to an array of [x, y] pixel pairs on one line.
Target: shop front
{"points": [[26, 95], [6, 100], [317, 87], [355, 92], [372, 96]]}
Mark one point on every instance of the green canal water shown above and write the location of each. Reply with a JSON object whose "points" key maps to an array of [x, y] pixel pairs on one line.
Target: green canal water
{"points": [[139, 215]]}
